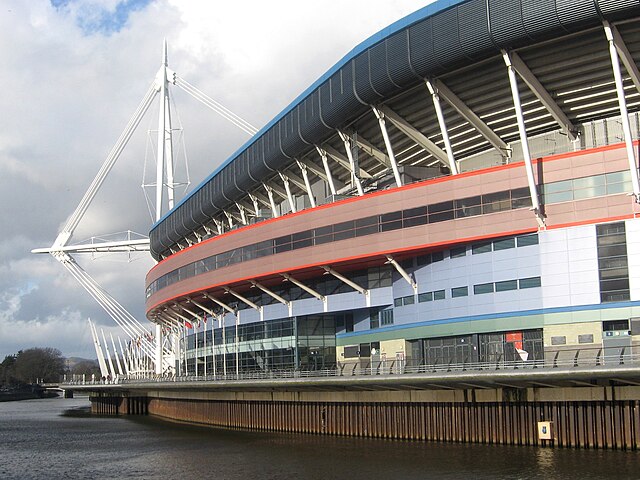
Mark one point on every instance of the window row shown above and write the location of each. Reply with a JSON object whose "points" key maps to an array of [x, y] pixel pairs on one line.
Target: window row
{"points": [[463, 291], [412, 217], [587, 187]]}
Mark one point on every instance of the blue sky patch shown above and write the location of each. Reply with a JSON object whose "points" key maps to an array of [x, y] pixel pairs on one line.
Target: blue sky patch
{"points": [[92, 17]]}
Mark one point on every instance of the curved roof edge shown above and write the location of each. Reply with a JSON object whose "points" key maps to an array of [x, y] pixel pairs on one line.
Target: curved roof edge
{"points": [[425, 12]]}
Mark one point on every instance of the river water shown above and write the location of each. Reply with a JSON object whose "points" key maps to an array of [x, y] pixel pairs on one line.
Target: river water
{"points": [[57, 438]]}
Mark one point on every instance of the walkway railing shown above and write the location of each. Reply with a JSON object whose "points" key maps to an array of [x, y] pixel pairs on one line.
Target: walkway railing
{"points": [[564, 359]]}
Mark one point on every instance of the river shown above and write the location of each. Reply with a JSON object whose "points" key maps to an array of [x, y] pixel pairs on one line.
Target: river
{"points": [[57, 438]]}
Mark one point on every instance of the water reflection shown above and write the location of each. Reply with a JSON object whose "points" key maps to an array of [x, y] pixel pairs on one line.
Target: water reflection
{"points": [[36, 440]]}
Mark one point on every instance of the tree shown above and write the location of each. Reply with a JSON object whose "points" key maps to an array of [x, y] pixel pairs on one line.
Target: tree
{"points": [[39, 364], [86, 367], [7, 370]]}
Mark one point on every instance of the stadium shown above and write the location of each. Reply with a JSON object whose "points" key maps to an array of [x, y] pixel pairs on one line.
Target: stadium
{"points": [[461, 188]]}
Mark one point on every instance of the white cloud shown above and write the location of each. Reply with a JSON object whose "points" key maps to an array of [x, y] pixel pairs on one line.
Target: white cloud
{"points": [[67, 96]]}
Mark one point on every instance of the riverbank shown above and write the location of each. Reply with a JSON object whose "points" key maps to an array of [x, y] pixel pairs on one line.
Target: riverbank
{"points": [[26, 394]]}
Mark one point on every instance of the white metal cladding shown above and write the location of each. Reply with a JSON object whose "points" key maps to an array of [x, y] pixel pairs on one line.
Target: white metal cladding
{"points": [[562, 42]]}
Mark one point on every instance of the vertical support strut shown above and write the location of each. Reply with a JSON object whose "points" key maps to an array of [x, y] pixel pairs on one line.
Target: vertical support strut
{"points": [[515, 94], [307, 183], [387, 144], [624, 114], [272, 202], [287, 188], [443, 127], [327, 170], [355, 180]]}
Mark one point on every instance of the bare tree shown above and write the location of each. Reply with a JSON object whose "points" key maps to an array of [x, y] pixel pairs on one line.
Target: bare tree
{"points": [[43, 364]]}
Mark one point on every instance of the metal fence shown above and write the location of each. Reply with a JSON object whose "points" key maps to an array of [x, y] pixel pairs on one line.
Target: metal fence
{"points": [[562, 359]]}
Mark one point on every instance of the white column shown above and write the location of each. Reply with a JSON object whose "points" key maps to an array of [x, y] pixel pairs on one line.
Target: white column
{"points": [[624, 114], [287, 188], [327, 170], [355, 181], [387, 144], [307, 183], [443, 127], [274, 212], [533, 190], [158, 349]]}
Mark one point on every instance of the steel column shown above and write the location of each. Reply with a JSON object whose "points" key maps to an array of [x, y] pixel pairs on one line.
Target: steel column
{"points": [[443, 127], [515, 94], [624, 114], [387, 142]]}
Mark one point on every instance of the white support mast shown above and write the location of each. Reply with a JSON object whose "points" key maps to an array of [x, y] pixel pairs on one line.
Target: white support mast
{"points": [[143, 348]]}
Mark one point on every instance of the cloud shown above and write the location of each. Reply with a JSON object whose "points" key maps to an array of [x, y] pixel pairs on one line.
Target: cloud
{"points": [[74, 73]]}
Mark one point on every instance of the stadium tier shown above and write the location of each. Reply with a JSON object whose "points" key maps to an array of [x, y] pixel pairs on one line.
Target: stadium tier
{"points": [[462, 187]]}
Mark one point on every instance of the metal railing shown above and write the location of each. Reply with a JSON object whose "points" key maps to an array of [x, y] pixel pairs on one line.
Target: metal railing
{"points": [[561, 359]]}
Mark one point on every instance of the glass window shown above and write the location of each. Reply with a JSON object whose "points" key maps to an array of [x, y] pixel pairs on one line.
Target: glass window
{"points": [[615, 325], [457, 252], [437, 256], [390, 221], [302, 239], [282, 244], [397, 302], [439, 295], [344, 230], [440, 212], [459, 292], [504, 244], [415, 212], [425, 297], [374, 320], [588, 182], [526, 240], [520, 198], [479, 248], [386, 317], [506, 285], [558, 197], [366, 226], [555, 187], [323, 235], [408, 300], [468, 207], [531, 282], [483, 288], [422, 260], [496, 202]]}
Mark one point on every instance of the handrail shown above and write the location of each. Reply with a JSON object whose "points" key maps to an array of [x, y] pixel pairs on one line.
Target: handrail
{"points": [[385, 368]]}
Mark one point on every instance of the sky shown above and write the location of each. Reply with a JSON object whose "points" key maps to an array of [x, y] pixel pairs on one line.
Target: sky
{"points": [[74, 72]]}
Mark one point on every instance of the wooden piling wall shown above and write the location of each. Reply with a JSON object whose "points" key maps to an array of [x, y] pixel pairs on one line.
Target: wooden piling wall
{"points": [[606, 418]]}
